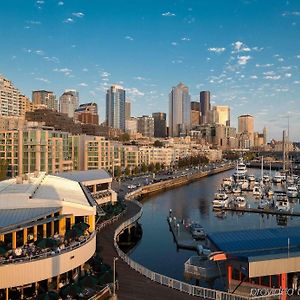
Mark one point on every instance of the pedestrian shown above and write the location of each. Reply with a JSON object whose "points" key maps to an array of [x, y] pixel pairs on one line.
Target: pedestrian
{"points": [[295, 282]]}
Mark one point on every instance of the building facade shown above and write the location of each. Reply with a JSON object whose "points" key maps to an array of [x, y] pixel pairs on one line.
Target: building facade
{"points": [[205, 107], [43, 98], [131, 125], [221, 115], [69, 102], [145, 126], [115, 107], [87, 113], [179, 110], [127, 109], [160, 124], [246, 131]]}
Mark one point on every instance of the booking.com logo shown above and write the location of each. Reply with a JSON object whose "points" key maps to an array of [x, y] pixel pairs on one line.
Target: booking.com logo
{"points": [[260, 292]]}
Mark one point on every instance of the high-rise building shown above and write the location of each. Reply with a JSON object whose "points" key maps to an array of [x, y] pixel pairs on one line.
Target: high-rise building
{"points": [[221, 115], [9, 98], [145, 125], [205, 107], [246, 130], [160, 124], [45, 99], [131, 125], [69, 102], [115, 107], [195, 114], [195, 105], [87, 113], [127, 109], [179, 110]]}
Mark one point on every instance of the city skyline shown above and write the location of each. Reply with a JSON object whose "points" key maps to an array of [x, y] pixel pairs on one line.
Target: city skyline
{"points": [[224, 47]]}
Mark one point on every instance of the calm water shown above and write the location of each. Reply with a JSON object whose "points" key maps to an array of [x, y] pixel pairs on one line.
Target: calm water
{"points": [[157, 250]]}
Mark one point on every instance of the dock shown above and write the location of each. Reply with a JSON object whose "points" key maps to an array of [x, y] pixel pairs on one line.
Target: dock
{"points": [[263, 211], [182, 235]]}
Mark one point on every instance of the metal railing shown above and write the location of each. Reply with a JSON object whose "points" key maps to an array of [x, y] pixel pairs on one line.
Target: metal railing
{"points": [[171, 282], [114, 219], [47, 254]]}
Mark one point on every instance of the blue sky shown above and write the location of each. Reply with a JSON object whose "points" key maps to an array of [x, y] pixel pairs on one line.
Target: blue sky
{"points": [[246, 52]]}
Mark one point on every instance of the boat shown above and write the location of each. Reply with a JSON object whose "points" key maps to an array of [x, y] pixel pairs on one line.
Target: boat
{"points": [[269, 192], [278, 178], [241, 169], [266, 178], [243, 183], [220, 200], [251, 178], [236, 189], [227, 182], [257, 192], [263, 204], [281, 202], [240, 202], [292, 191]]}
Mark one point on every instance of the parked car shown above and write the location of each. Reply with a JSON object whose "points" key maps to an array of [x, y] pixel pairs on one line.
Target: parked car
{"points": [[197, 231]]}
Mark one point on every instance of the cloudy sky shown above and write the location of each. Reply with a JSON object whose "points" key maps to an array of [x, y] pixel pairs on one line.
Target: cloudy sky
{"points": [[246, 52]]}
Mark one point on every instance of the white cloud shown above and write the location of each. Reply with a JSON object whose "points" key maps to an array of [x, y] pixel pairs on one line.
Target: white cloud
{"points": [[264, 66], [168, 14], [60, 3], [34, 22], [174, 43], [291, 13], [139, 78], [42, 79], [39, 52], [177, 61], [129, 38], [288, 75], [51, 59], [40, 2], [78, 14], [216, 50], [134, 92], [105, 74], [237, 45], [83, 84], [69, 20], [65, 71], [186, 39], [253, 77], [84, 70], [298, 56], [274, 77], [257, 48], [243, 60], [280, 59], [269, 73]]}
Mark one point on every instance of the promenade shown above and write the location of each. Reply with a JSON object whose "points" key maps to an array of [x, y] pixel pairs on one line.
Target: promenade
{"points": [[132, 285]]}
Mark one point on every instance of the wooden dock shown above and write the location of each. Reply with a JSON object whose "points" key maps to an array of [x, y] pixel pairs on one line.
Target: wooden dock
{"points": [[133, 285], [263, 211]]}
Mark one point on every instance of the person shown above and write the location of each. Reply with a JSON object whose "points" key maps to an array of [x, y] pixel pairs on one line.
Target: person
{"points": [[295, 282]]}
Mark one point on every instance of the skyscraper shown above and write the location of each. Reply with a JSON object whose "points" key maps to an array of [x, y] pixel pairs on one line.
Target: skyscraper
{"points": [[87, 113], [115, 107], [246, 130], [179, 110], [221, 115], [127, 109], [68, 102], [145, 126], [45, 99], [195, 113], [205, 107], [160, 124]]}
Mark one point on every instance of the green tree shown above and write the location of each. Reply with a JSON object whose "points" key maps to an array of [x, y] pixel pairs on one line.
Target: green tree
{"points": [[136, 170], [144, 168], [117, 172], [158, 143], [157, 167], [3, 169], [151, 167], [127, 171]]}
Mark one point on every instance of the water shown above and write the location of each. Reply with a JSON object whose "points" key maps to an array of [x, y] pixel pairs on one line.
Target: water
{"points": [[157, 250]]}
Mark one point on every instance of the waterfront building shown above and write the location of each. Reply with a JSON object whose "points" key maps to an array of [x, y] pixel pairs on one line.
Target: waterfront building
{"points": [[115, 107], [69, 102], [246, 131], [221, 115], [127, 109], [46, 99], [9, 98], [205, 107], [45, 207], [160, 124], [179, 110], [131, 126], [145, 126], [87, 113], [130, 156], [11, 122]]}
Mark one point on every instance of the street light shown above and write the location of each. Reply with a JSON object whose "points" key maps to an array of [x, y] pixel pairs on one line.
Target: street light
{"points": [[114, 296]]}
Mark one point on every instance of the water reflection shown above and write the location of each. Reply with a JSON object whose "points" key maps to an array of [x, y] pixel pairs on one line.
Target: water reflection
{"points": [[157, 250]]}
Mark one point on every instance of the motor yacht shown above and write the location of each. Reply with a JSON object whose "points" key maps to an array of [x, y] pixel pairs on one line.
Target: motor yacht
{"points": [[241, 169], [240, 202], [292, 191]]}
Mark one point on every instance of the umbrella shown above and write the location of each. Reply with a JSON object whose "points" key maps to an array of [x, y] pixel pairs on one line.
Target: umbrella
{"points": [[82, 226], [46, 243], [73, 233], [71, 289], [48, 296], [3, 250], [88, 281]]}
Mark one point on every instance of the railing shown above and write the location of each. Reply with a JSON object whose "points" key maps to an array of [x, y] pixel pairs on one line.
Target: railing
{"points": [[171, 282], [48, 253], [102, 225]]}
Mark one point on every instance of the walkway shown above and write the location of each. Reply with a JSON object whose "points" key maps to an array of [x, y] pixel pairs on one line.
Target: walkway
{"points": [[133, 285]]}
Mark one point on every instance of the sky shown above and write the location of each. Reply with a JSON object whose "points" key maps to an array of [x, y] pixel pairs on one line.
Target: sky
{"points": [[246, 52]]}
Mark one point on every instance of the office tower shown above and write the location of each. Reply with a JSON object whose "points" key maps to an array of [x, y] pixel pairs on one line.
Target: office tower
{"points": [[127, 109], [205, 107], [44, 99], [179, 110], [265, 135], [160, 124], [145, 125], [131, 125], [87, 113], [115, 107], [68, 102], [9, 98], [221, 115], [246, 130], [195, 113]]}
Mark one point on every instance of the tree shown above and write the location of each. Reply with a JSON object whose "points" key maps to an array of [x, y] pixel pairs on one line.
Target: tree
{"points": [[158, 144], [3, 169], [127, 171], [151, 167], [136, 170], [117, 172], [157, 167], [125, 137], [144, 168]]}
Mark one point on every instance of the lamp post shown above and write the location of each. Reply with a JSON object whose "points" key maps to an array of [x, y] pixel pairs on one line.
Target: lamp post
{"points": [[114, 296]]}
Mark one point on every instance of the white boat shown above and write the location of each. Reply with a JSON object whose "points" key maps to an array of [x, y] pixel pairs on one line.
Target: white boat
{"points": [[236, 189], [251, 177], [241, 169], [266, 178], [263, 204], [243, 183], [278, 178], [257, 192], [292, 191], [269, 192], [240, 202], [227, 182], [282, 202], [220, 200]]}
